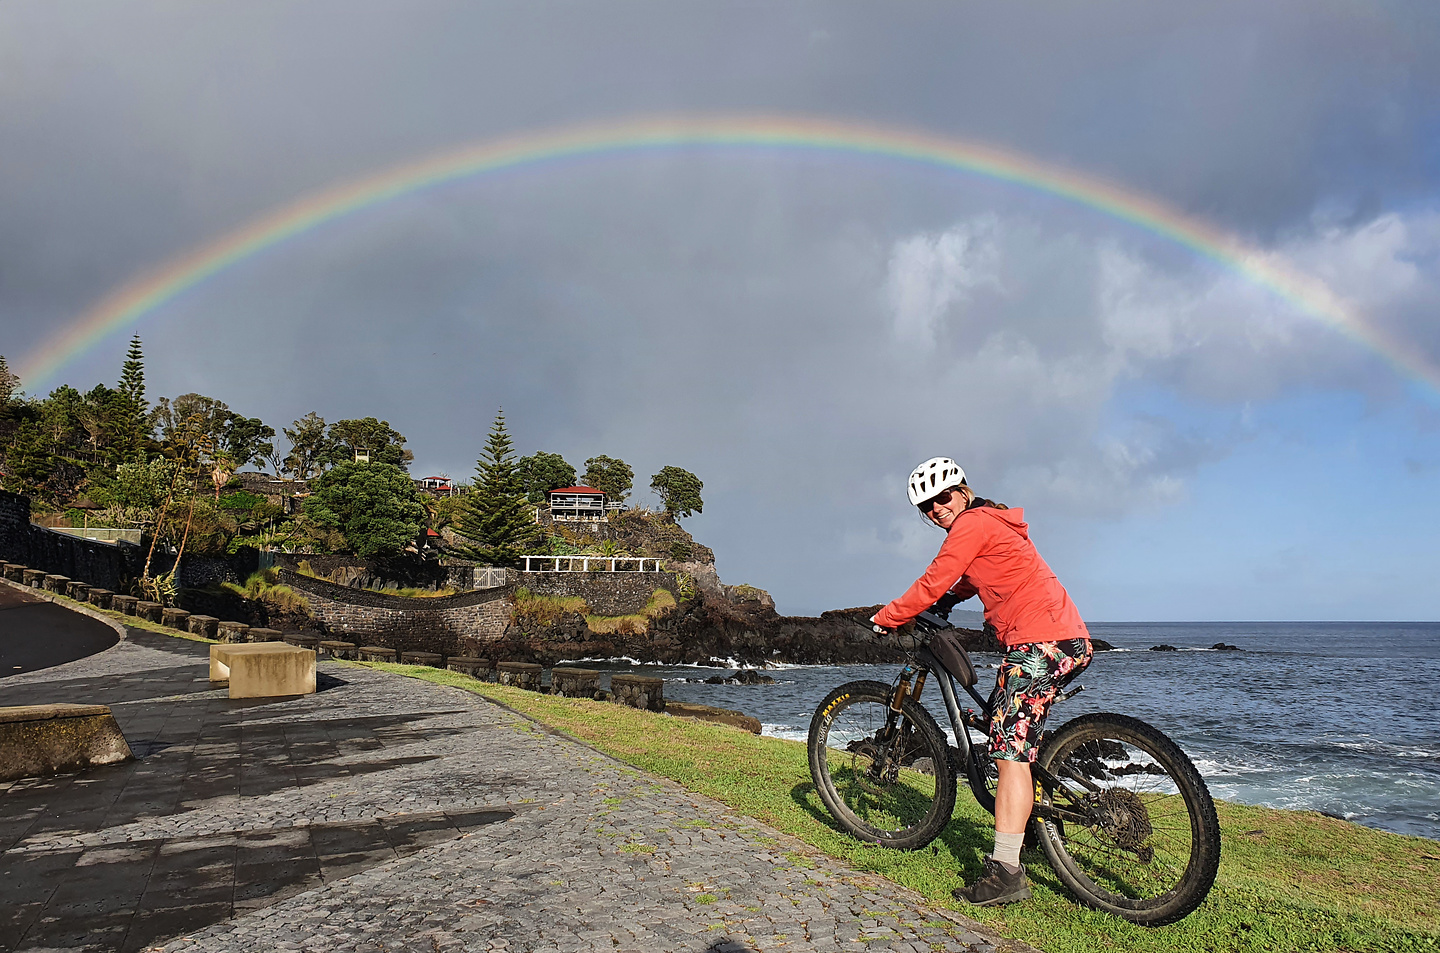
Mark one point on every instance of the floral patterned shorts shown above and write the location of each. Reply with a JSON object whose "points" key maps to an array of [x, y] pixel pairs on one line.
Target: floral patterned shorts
{"points": [[1031, 676]]}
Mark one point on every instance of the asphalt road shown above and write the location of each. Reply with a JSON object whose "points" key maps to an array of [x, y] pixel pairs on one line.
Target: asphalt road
{"points": [[36, 634]]}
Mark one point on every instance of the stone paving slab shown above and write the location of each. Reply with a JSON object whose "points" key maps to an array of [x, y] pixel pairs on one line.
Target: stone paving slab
{"points": [[386, 813]]}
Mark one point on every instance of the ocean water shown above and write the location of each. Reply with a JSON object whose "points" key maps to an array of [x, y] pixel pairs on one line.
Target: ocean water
{"points": [[1334, 717]]}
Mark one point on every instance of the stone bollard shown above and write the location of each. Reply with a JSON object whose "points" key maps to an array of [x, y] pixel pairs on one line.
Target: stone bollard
{"points": [[524, 675], [34, 578], [263, 635], [232, 631], [100, 598], [574, 682], [336, 649], [173, 618], [375, 653], [56, 584], [474, 667], [13, 571], [149, 611], [125, 604], [431, 659], [303, 641], [79, 591], [638, 691], [206, 626]]}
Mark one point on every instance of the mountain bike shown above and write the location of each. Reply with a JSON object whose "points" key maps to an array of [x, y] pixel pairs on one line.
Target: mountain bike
{"points": [[1120, 812]]}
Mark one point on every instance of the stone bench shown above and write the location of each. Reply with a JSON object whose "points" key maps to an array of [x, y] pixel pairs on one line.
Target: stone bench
{"points": [[431, 659], [263, 635], [173, 618], [467, 665], [376, 653], [100, 598], [79, 591], [337, 649], [301, 640], [206, 626], [638, 691], [42, 739], [34, 578], [524, 675], [125, 604], [149, 611], [56, 584], [263, 669], [232, 632], [15, 572], [574, 682]]}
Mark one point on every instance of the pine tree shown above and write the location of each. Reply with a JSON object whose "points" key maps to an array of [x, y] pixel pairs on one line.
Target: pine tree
{"points": [[136, 408], [496, 516]]}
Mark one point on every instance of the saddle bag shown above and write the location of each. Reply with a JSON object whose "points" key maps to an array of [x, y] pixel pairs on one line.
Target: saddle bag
{"points": [[948, 651]]}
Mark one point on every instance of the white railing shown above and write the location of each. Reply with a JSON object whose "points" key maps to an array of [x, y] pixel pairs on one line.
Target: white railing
{"points": [[600, 563]]}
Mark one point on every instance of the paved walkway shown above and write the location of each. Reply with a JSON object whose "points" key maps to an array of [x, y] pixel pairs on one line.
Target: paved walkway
{"points": [[386, 813]]}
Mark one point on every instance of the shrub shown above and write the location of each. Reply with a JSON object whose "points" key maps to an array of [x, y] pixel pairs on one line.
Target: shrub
{"points": [[544, 610]]}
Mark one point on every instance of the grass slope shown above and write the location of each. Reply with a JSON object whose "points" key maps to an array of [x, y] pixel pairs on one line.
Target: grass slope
{"points": [[1289, 880]]}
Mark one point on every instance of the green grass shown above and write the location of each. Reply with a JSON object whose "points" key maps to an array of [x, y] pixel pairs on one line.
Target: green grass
{"points": [[1289, 880]]}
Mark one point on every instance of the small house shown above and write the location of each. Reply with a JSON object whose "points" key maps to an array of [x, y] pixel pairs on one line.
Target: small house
{"points": [[436, 486], [577, 503]]}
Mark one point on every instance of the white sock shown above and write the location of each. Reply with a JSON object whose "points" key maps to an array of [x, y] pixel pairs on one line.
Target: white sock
{"points": [[1007, 849]]}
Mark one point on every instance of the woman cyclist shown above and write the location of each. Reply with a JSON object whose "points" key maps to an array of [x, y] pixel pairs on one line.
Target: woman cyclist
{"points": [[987, 552]]}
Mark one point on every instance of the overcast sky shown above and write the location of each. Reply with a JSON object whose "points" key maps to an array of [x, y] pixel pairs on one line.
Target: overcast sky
{"points": [[799, 330]]}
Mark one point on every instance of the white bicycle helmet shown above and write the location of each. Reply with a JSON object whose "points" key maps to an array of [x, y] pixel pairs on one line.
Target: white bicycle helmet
{"points": [[932, 476]]}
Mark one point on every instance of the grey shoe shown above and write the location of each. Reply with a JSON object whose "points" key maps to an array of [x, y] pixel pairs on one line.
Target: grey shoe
{"points": [[995, 886]]}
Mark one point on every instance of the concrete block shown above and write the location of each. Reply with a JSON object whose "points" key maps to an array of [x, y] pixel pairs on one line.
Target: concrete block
{"points": [[474, 667], [574, 682], [37, 740], [311, 642], [263, 669], [174, 618], [263, 635], [125, 604], [432, 659], [638, 691], [34, 578], [100, 598], [232, 632], [376, 653], [337, 649], [79, 591], [524, 675], [56, 584], [13, 571], [203, 625], [149, 611]]}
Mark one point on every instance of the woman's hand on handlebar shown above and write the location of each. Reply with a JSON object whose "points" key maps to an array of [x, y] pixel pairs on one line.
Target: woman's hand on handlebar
{"points": [[879, 629]]}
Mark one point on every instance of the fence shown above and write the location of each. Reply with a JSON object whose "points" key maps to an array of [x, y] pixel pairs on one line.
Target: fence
{"points": [[601, 564], [101, 534]]}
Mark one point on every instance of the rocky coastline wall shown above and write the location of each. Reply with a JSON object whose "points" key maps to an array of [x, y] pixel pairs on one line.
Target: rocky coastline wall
{"points": [[106, 565], [606, 593]]}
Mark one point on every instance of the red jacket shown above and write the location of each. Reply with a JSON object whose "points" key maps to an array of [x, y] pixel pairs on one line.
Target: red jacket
{"points": [[988, 552]]}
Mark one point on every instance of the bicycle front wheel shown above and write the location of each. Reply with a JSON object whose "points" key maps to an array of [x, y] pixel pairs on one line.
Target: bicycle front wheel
{"points": [[887, 780], [1132, 828]]}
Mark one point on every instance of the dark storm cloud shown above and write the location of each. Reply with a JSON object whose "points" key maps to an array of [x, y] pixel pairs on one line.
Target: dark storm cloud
{"points": [[786, 327]]}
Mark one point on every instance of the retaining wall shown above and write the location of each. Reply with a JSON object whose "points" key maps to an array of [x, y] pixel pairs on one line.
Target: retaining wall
{"points": [[607, 593], [449, 625], [107, 565]]}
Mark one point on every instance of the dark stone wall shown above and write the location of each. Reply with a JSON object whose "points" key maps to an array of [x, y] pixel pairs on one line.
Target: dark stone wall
{"points": [[107, 565], [450, 625], [607, 593]]}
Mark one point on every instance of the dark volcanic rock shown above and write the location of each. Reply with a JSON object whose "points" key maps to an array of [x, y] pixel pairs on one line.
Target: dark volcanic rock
{"points": [[1100, 645], [1163, 648], [1222, 647]]}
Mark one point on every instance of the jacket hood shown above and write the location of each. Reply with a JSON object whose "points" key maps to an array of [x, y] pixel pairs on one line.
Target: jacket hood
{"points": [[1013, 517]]}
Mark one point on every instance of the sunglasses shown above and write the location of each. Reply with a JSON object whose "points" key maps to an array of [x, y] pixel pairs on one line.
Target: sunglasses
{"points": [[940, 499]]}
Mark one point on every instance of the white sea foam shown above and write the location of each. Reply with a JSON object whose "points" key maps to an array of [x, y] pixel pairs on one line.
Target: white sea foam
{"points": [[788, 732]]}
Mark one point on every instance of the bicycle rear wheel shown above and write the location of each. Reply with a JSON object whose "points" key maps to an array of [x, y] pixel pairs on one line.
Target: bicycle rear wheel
{"points": [[1133, 829], [888, 782]]}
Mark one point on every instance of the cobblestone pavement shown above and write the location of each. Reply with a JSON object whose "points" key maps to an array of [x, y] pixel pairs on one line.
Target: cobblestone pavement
{"points": [[386, 813]]}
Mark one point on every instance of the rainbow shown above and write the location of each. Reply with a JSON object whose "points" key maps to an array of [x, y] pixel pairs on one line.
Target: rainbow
{"points": [[124, 307]]}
